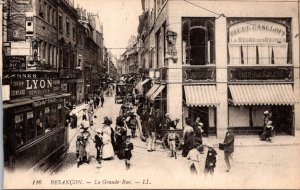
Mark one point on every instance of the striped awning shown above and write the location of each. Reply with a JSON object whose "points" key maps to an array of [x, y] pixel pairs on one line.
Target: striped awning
{"points": [[141, 83], [201, 95], [159, 90], [152, 90], [271, 94]]}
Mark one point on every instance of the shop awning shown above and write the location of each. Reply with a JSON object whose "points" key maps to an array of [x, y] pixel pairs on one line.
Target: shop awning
{"points": [[140, 84], [159, 90], [152, 90], [271, 94], [201, 95]]}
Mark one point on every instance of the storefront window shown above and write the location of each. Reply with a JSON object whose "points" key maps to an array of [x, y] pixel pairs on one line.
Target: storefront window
{"points": [[60, 113], [47, 119], [198, 41], [39, 123], [53, 116], [20, 130], [30, 127]]}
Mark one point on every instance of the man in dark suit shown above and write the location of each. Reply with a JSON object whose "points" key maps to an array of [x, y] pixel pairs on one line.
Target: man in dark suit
{"points": [[228, 148], [144, 119]]}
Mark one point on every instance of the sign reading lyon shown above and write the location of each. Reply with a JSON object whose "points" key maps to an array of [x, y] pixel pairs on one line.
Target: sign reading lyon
{"points": [[257, 31], [38, 84]]}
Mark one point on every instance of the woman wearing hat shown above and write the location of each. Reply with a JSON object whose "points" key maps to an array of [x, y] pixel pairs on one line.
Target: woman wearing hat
{"points": [[120, 136], [108, 151], [187, 133], [269, 129]]}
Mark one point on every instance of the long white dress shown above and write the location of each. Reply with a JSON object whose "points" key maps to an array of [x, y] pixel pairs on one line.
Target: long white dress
{"points": [[108, 150]]}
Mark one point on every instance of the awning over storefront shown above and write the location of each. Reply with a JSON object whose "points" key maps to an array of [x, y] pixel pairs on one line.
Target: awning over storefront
{"points": [[201, 95], [271, 94], [152, 90], [140, 84], [155, 94]]}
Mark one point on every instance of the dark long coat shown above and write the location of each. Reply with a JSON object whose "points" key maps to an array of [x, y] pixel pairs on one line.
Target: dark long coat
{"points": [[229, 142]]}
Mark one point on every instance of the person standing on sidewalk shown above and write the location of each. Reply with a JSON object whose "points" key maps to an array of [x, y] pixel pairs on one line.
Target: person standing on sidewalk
{"points": [[102, 98], [172, 142], [128, 147], [151, 130], [228, 148], [144, 119]]}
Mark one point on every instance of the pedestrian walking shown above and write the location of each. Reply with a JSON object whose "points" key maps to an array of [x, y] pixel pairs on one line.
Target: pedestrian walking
{"points": [[80, 150], [158, 118], [144, 119], [167, 122], [102, 98], [187, 133], [73, 117], [194, 157], [228, 145], [86, 139], [172, 142], [108, 151], [120, 134], [197, 126], [98, 145], [267, 118], [133, 125], [90, 110], [210, 162], [151, 130], [128, 147]]}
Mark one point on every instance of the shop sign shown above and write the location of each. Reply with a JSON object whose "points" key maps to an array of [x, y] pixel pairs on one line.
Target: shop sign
{"points": [[15, 63], [256, 74], [20, 48], [40, 103], [257, 31], [199, 74], [32, 84]]}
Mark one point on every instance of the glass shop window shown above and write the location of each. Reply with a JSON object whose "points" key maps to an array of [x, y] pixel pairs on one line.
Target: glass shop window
{"points": [[39, 123], [198, 41], [31, 134], [60, 113], [20, 132], [53, 116], [47, 119]]}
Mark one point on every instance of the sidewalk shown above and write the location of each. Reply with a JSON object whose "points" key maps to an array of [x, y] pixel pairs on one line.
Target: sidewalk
{"points": [[254, 140]]}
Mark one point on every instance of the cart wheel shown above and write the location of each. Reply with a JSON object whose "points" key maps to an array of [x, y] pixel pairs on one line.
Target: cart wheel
{"points": [[177, 142]]}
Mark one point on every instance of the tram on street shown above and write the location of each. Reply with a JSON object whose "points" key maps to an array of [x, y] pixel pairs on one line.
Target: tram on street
{"points": [[34, 131]]}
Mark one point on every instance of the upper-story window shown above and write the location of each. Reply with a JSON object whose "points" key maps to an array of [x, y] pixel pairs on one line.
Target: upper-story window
{"points": [[198, 41], [60, 22], [45, 11], [259, 42], [73, 32], [68, 26], [50, 14], [54, 17]]}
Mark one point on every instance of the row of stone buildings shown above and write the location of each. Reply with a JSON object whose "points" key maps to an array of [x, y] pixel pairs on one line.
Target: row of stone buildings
{"points": [[52, 37], [222, 61]]}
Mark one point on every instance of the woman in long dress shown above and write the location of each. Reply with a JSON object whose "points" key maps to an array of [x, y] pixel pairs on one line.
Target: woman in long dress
{"points": [[108, 151]]}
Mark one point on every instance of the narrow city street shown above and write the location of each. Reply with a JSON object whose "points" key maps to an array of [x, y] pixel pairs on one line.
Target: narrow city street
{"points": [[253, 167]]}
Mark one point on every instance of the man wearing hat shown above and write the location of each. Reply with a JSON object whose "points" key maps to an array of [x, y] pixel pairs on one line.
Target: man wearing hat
{"points": [[133, 125], [90, 110], [144, 119], [167, 121], [198, 131], [86, 139], [151, 130], [269, 129], [73, 117], [228, 148], [158, 119]]}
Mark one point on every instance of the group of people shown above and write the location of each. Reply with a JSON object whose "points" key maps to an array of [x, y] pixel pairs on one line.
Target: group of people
{"points": [[108, 142]]}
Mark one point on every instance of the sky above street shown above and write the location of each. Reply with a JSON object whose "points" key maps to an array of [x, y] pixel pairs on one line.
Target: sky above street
{"points": [[119, 18]]}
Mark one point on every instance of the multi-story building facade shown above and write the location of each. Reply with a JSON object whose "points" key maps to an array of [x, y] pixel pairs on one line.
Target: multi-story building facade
{"points": [[224, 64], [67, 19]]}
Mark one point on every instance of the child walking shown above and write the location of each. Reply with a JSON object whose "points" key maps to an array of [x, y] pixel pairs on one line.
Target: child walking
{"points": [[128, 146], [211, 160]]}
